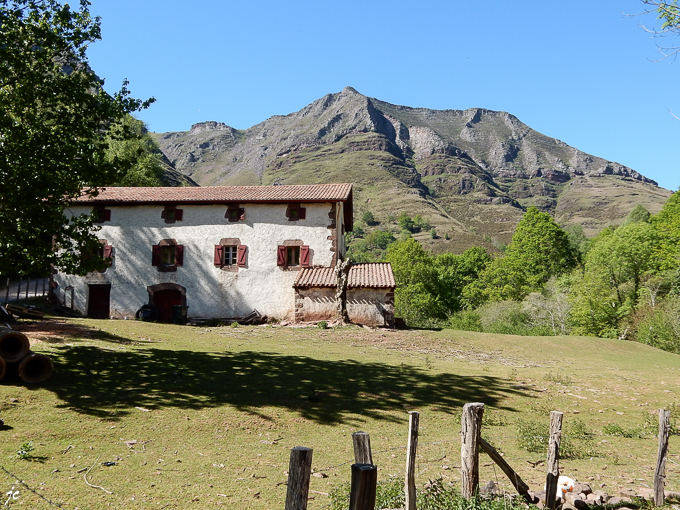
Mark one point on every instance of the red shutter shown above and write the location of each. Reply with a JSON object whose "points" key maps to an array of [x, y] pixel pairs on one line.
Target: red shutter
{"points": [[242, 213], [108, 254], [304, 256], [155, 255], [179, 254], [219, 255], [302, 213], [179, 213], [106, 216], [241, 260], [281, 255]]}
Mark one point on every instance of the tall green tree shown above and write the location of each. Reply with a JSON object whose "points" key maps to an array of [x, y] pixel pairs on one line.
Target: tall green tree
{"points": [[455, 272], [667, 224], [539, 250], [415, 298], [55, 128]]}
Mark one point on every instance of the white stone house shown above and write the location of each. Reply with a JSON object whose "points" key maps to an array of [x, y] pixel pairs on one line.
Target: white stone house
{"points": [[220, 251]]}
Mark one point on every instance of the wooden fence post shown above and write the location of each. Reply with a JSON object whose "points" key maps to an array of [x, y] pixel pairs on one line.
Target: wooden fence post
{"points": [[411, 451], [660, 472], [299, 472], [18, 289], [362, 448], [471, 426], [553, 462], [364, 484], [7, 292]]}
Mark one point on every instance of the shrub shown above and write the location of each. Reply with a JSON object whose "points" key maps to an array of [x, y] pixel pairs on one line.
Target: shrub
{"points": [[613, 429], [466, 320], [24, 452], [368, 218], [322, 325]]}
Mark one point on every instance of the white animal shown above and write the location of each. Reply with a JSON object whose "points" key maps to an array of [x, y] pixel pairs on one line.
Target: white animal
{"points": [[564, 485]]}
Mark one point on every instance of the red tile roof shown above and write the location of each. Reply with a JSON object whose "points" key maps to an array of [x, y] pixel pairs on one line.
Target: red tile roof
{"points": [[375, 275], [221, 194]]}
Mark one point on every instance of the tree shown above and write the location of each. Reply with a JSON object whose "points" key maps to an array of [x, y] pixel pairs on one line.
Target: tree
{"points": [[415, 298], [368, 218], [539, 250], [454, 272], [669, 12], [56, 124], [638, 214], [139, 151], [406, 222], [667, 224]]}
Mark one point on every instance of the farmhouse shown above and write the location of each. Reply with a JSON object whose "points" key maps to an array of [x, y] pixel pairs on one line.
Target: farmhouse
{"points": [[216, 252]]}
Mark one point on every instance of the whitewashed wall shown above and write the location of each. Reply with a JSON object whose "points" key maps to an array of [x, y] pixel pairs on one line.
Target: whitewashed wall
{"points": [[210, 292]]}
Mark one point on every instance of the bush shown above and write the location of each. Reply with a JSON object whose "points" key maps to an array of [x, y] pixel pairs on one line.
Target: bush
{"points": [[466, 320], [322, 325], [368, 218], [660, 326]]}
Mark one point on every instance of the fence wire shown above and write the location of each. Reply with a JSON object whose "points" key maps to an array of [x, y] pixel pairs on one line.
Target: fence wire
{"points": [[10, 497]]}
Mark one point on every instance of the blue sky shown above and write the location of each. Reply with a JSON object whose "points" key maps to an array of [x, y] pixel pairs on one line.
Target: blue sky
{"points": [[580, 71]]}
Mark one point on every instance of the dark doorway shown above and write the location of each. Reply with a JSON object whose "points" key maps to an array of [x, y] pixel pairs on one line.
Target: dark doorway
{"points": [[98, 301], [164, 301]]}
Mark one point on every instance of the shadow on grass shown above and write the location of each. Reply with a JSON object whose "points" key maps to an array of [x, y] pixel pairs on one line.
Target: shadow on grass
{"points": [[110, 383]]}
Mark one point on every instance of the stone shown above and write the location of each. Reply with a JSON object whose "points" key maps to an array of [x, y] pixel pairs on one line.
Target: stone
{"points": [[647, 493], [489, 489], [617, 500], [585, 489]]}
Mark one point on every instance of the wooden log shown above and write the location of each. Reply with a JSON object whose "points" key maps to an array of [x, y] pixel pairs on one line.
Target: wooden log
{"points": [[471, 427], [299, 472], [362, 448], [411, 452], [521, 487], [553, 462], [364, 484], [660, 472]]}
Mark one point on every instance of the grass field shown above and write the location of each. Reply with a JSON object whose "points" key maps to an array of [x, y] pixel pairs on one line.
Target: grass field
{"points": [[201, 417]]}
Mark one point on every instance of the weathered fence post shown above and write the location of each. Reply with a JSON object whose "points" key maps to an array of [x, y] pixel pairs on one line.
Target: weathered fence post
{"points": [[28, 284], [18, 289], [660, 472], [362, 448], [471, 426], [364, 484], [35, 292], [411, 452], [553, 462], [299, 472], [7, 292]]}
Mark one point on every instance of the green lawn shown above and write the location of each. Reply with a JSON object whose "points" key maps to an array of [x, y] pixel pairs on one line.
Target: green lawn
{"points": [[215, 411]]}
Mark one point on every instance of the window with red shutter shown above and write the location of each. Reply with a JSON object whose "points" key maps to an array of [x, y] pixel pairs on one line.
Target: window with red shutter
{"points": [[304, 256], [171, 214], [219, 254], [108, 254], [101, 214], [242, 250], [179, 255], [281, 255], [155, 255]]}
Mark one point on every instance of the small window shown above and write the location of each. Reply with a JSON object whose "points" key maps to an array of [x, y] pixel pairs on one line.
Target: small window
{"points": [[171, 214], [167, 255], [104, 251], [295, 212], [101, 214], [235, 213], [230, 254], [292, 255]]}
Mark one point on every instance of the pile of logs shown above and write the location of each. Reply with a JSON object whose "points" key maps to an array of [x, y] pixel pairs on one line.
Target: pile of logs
{"points": [[16, 355]]}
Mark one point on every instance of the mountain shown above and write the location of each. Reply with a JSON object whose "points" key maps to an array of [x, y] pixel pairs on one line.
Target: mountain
{"points": [[472, 173]]}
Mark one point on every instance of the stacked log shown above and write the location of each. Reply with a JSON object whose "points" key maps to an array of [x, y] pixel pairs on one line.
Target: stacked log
{"points": [[16, 355]]}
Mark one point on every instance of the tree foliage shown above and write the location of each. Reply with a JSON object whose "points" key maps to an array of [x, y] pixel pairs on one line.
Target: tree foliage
{"points": [[669, 14], [56, 124], [415, 298], [539, 250]]}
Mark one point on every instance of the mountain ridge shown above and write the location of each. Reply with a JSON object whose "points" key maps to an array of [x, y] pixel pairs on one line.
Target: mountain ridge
{"points": [[446, 164]]}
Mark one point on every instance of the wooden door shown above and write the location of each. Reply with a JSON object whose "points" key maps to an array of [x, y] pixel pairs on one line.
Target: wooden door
{"points": [[164, 300], [98, 301]]}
